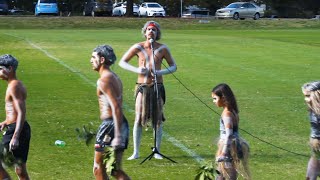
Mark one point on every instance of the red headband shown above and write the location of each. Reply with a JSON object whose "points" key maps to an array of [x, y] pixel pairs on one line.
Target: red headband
{"points": [[152, 25]]}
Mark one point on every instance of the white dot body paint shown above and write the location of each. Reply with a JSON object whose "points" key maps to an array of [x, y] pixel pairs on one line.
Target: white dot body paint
{"points": [[4, 71]]}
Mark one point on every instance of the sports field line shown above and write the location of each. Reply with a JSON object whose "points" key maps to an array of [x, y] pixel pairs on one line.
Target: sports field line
{"points": [[171, 139]]}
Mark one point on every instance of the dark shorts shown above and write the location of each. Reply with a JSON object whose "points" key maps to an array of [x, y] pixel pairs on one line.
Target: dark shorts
{"points": [[105, 134], [21, 153]]}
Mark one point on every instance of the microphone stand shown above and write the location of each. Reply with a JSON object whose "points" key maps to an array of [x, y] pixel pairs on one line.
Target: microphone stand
{"points": [[155, 112]]}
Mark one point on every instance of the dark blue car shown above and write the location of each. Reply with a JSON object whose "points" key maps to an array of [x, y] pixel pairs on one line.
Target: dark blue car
{"points": [[3, 7]]}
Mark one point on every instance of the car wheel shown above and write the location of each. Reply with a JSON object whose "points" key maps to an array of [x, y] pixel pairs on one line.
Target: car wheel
{"points": [[93, 14], [236, 16], [256, 16]]}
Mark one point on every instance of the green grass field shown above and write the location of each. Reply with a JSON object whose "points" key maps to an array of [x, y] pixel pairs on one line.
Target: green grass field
{"points": [[265, 62]]}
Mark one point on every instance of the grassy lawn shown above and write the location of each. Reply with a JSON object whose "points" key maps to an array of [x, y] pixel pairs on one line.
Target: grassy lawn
{"points": [[265, 62]]}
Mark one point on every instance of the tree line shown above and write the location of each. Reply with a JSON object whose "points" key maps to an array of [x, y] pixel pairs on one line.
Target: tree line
{"points": [[281, 8]]}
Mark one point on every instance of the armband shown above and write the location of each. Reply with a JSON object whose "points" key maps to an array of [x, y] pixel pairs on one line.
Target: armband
{"points": [[129, 67], [168, 70]]}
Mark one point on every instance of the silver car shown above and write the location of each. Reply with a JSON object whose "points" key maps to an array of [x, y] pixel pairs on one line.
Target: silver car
{"points": [[240, 10]]}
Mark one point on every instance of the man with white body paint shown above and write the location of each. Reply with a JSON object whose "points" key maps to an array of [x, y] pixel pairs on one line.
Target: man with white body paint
{"points": [[17, 136], [147, 63], [114, 129]]}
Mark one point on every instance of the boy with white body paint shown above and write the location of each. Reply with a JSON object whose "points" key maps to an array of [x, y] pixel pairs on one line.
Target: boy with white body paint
{"points": [[145, 83], [114, 129]]}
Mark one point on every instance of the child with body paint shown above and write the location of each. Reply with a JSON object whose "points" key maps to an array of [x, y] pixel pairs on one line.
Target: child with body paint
{"points": [[150, 54], [311, 92], [233, 151]]}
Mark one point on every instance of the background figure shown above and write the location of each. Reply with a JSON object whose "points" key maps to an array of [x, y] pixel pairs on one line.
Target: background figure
{"points": [[146, 81], [311, 92], [233, 152], [18, 133], [114, 129]]}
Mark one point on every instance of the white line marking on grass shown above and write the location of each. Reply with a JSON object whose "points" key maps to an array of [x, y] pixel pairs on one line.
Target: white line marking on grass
{"points": [[177, 143], [62, 63], [171, 139]]}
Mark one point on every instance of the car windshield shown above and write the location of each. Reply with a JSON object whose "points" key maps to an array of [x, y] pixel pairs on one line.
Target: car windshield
{"points": [[234, 5], [154, 5], [48, 1]]}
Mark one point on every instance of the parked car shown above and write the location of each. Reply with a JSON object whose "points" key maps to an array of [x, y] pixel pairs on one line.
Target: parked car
{"points": [[46, 7], [4, 7], [151, 9], [120, 9], [97, 7], [240, 10], [196, 13]]}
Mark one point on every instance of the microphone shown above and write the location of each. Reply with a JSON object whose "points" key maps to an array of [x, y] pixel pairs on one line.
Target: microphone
{"points": [[151, 42]]}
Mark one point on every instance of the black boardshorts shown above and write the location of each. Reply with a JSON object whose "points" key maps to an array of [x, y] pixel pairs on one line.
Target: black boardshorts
{"points": [[21, 153]]}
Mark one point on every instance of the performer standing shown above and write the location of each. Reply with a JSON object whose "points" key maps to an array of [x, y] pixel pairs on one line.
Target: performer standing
{"points": [[150, 55], [233, 151], [18, 133], [114, 129], [311, 92]]}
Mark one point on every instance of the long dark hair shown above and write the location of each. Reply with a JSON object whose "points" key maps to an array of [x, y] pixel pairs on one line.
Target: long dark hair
{"points": [[224, 91]]}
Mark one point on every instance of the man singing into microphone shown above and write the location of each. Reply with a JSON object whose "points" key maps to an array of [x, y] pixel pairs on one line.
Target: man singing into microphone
{"points": [[150, 55]]}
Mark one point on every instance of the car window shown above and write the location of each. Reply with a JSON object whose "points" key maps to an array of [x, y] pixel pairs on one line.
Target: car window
{"points": [[154, 5], [233, 6], [245, 5], [251, 6], [48, 1]]}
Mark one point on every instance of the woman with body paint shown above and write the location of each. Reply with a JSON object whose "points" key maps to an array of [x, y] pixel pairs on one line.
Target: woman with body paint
{"points": [[150, 55], [233, 151], [311, 92]]}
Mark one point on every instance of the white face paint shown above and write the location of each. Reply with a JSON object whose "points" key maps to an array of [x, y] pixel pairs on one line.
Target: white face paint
{"points": [[4, 71], [95, 61], [151, 32], [307, 98], [217, 100]]}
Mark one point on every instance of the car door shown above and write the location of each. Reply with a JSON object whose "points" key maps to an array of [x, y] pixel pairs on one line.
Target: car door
{"points": [[142, 9], [251, 10], [244, 10]]}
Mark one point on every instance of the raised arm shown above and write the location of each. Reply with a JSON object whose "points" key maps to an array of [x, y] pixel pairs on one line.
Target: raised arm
{"points": [[124, 62], [172, 64]]}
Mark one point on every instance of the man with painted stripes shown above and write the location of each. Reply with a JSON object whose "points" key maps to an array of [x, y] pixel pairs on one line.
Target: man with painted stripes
{"points": [[150, 55], [114, 130]]}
